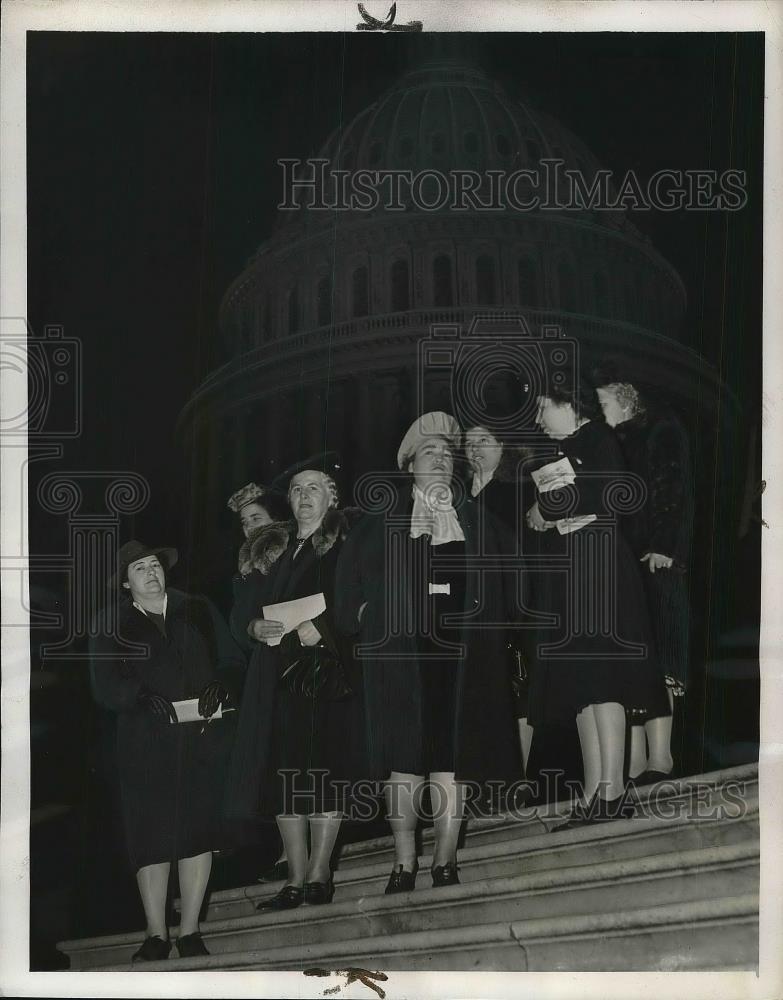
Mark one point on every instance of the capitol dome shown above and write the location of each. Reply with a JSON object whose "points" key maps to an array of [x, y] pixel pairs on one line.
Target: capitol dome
{"points": [[323, 327]]}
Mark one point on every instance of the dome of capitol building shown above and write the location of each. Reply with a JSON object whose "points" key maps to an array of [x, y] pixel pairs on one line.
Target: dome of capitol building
{"points": [[324, 325]]}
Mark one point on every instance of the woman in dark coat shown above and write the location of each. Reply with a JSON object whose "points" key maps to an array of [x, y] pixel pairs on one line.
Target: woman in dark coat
{"points": [[498, 485], [298, 747], [437, 691], [599, 661], [170, 775], [655, 447]]}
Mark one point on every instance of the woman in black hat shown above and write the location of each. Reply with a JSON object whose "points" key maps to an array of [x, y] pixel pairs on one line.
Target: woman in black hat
{"points": [[301, 730], [599, 662], [655, 446], [170, 772]]}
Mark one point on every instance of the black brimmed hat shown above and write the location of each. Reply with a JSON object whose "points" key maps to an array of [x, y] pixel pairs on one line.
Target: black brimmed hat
{"points": [[323, 461], [134, 550]]}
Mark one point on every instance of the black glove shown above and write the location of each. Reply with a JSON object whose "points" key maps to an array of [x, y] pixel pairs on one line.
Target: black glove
{"points": [[213, 695], [157, 704]]}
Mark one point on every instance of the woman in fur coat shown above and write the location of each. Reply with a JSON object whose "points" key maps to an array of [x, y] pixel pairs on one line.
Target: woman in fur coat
{"points": [[300, 742]]}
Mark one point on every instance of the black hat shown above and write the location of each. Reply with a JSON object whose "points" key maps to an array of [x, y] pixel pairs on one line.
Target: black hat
{"points": [[323, 461], [134, 550]]}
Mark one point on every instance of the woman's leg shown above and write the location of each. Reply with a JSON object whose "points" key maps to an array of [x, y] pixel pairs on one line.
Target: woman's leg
{"points": [[638, 761], [293, 830], [591, 751], [526, 740], [448, 809], [403, 807], [659, 740], [324, 828], [610, 722], [193, 878], [153, 883]]}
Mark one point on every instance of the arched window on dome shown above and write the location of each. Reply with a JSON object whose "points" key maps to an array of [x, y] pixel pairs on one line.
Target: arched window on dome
{"points": [[566, 284], [293, 310], [601, 294], [360, 291], [442, 281], [400, 286], [323, 300], [527, 279], [486, 282]]}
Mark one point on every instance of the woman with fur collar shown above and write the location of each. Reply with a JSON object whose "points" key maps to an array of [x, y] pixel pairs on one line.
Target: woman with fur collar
{"points": [[437, 690], [297, 748]]}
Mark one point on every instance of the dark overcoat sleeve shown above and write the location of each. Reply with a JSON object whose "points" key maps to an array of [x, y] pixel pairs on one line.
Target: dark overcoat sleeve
{"points": [[230, 662], [349, 585], [588, 494], [116, 684], [670, 490], [248, 599]]}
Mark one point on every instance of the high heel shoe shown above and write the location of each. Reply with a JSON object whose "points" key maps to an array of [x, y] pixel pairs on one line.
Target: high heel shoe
{"points": [[316, 893], [289, 897], [445, 875], [401, 881]]}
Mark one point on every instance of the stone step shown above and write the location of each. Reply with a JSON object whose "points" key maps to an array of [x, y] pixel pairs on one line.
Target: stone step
{"points": [[621, 840], [534, 821], [699, 935], [689, 876]]}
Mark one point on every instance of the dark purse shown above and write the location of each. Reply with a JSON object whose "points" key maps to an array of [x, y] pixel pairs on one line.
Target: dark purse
{"points": [[312, 671]]}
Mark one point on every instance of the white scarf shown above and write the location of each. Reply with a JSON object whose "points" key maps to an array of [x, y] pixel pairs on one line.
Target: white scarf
{"points": [[434, 514]]}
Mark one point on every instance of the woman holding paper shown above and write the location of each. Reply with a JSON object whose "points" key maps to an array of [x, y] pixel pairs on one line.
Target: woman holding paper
{"points": [[599, 661], [301, 730], [182, 667], [437, 691]]}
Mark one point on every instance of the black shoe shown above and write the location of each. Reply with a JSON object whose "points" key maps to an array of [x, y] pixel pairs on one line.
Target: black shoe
{"points": [[653, 777], [289, 897], [154, 949], [277, 873], [316, 893], [191, 945], [445, 874], [605, 810], [401, 881]]}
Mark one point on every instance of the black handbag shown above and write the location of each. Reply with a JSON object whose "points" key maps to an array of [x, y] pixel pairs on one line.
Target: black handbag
{"points": [[312, 671]]}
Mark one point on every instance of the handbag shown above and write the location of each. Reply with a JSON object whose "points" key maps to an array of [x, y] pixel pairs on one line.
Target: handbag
{"points": [[312, 671]]}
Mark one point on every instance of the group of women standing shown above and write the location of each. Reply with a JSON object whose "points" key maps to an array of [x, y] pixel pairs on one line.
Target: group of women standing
{"points": [[445, 630], [406, 652]]}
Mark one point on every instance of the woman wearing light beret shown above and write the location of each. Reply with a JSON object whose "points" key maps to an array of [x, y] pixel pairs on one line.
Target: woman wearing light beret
{"points": [[437, 692]]}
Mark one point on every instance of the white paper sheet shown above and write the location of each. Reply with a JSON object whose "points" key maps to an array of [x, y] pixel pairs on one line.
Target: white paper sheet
{"points": [[293, 613]]}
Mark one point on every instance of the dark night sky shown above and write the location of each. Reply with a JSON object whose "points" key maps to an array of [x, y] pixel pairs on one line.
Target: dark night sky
{"points": [[152, 178]]}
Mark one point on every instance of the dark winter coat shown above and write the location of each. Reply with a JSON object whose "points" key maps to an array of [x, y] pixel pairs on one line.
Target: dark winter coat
{"points": [[600, 648], [372, 569], [170, 775], [276, 729], [655, 447]]}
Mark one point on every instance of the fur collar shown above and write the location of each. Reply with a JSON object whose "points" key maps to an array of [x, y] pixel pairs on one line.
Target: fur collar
{"points": [[265, 545]]}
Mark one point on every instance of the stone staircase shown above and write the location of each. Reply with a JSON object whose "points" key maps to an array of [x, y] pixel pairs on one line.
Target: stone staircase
{"points": [[674, 888]]}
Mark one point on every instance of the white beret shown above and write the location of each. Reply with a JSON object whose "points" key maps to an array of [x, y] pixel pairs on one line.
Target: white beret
{"points": [[435, 424]]}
